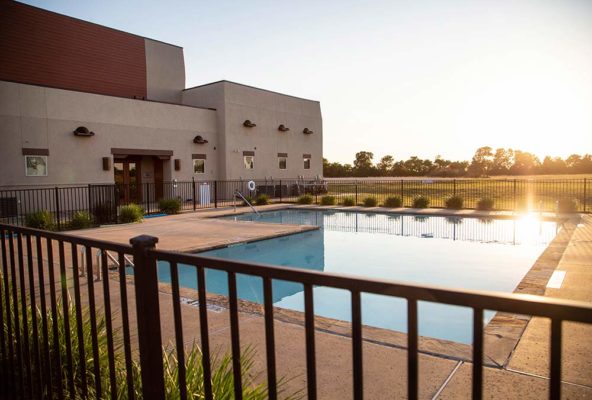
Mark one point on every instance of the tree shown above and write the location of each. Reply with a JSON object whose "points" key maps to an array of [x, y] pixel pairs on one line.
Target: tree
{"points": [[385, 165], [482, 161], [502, 161], [363, 163], [524, 163]]}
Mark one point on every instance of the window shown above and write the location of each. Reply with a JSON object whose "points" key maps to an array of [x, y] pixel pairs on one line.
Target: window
{"points": [[249, 162], [199, 166], [36, 165], [306, 162], [282, 162]]}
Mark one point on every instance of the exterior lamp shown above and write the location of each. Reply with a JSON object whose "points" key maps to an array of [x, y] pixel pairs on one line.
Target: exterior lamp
{"points": [[307, 131], [283, 128], [83, 131], [199, 140], [249, 124]]}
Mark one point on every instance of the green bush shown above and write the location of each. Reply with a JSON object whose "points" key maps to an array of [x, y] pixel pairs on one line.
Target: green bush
{"points": [[567, 205], [454, 203], [81, 322], [370, 201], [349, 202], [485, 204], [248, 199], [305, 199], [421, 202], [262, 199], [170, 206], [41, 219], [328, 200], [81, 220], [393, 202], [104, 213], [131, 213]]}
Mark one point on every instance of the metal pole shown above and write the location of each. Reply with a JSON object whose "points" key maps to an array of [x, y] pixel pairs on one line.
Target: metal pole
{"points": [[57, 207], [148, 313], [584, 194], [356, 193], [454, 187], [281, 190], [402, 198], [215, 194], [514, 195], [193, 188]]}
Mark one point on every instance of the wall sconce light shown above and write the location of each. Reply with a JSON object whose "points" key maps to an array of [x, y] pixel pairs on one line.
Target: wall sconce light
{"points": [[199, 140], [283, 128], [249, 124], [307, 131], [106, 163], [177, 164], [83, 131]]}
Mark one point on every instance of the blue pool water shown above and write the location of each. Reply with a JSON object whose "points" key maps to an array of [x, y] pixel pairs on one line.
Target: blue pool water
{"points": [[465, 253]]}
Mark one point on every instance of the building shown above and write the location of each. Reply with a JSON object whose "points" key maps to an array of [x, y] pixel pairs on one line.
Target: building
{"points": [[84, 103]]}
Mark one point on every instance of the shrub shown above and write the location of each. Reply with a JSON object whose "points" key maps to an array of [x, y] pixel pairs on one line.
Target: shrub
{"points": [[104, 213], [328, 200], [454, 203], [485, 204], [305, 199], [421, 202], [567, 205], [41, 219], [262, 199], [170, 206], [370, 201], [81, 220], [131, 213], [393, 202], [247, 200], [349, 202]]}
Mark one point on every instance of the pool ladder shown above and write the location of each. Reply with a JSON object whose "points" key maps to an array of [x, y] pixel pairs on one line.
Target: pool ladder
{"points": [[97, 271], [237, 193]]}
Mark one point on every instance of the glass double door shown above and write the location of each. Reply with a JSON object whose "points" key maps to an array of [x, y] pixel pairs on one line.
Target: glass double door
{"points": [[128, 180]]}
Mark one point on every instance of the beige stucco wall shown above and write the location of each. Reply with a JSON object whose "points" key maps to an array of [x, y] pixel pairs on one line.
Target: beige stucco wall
{"points": [[38, 117], [236, 103], [165, 71]]}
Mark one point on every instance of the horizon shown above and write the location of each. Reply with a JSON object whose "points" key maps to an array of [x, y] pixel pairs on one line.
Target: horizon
{"points": [[421, 79]]}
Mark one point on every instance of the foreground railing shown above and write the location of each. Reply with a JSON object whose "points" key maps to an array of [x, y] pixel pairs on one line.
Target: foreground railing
{"points": [[56, 352]]}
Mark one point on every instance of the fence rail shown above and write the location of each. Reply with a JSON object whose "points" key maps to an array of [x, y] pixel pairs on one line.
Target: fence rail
{"points": [[66, 349], [103, 202]]}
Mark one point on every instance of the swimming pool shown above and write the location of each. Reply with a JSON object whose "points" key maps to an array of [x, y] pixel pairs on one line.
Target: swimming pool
{"points": [[469, 253]]}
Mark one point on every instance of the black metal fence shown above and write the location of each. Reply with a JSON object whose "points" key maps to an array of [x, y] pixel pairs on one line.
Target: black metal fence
{"points": [[103, 202], [57, 345]]}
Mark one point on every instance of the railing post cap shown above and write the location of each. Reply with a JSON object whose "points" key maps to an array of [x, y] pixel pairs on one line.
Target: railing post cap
{"points": [[144, 241]]}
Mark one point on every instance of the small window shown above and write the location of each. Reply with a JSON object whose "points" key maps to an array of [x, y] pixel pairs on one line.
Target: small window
{"points": [[283, 162], [249, 162], [199, 166], [306, 162], [36, 165]]}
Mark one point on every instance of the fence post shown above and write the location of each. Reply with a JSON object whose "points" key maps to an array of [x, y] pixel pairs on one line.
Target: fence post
{"points": [[281, 191], [57, 207], [402, 197], [215, 194], [584, 194], [514, 195], [148, 315], [193, 188], [454, 187], [356, 193], [89, 200]]}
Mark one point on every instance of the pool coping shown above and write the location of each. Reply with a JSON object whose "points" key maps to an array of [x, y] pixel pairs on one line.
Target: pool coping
{"points": [[501, 334]]}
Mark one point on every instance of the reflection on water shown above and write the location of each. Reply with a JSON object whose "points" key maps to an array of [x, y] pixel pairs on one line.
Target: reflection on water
{"points": [[470, 253]]}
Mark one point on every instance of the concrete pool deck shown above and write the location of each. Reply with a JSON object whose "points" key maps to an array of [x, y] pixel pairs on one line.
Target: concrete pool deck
{"points": [[523, 375]]}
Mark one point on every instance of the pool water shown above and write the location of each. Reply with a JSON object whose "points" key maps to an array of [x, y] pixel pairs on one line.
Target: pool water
{"points": [[468, 253]]}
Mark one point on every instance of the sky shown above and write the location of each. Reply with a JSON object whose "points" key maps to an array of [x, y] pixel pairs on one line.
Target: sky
{"points": [[423, 77]]}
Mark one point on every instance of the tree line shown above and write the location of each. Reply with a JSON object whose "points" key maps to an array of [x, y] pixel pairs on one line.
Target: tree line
{"points": [[485, 162]]}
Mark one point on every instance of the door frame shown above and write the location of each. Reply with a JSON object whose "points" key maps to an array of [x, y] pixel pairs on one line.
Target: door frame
{"points": [[130, 193]]}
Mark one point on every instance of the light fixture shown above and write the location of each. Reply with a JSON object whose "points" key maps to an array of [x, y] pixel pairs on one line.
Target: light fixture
{"points": [[199, 140], [283, 128], [83, 131], [307, 131], [249, 124]]}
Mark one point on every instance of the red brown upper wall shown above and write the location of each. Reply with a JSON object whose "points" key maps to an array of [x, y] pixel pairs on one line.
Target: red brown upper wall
{"points": [[43, 48]]}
